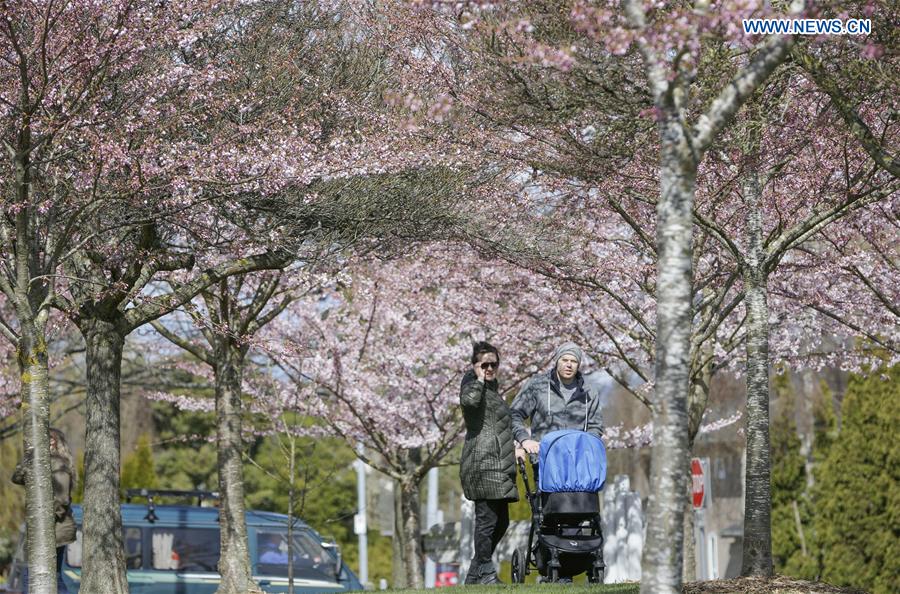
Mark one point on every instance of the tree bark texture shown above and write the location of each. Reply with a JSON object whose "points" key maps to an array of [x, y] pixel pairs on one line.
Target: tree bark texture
{"points": [[104, 561], [662, 559], [698, 398], [234, 561], [757, 554], [39, 502], [689, 571], [408, 553]]}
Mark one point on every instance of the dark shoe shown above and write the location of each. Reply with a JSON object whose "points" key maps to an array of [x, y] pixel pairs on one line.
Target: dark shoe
{"points": [[488, 574], [472, 576], [491, 578], [484, 573]]}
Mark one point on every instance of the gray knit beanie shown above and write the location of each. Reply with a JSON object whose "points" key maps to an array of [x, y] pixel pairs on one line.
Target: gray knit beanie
{"points": [[568, 348]]}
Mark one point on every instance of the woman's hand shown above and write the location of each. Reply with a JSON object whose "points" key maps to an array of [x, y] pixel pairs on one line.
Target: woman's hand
{"points": [[479, 372]]}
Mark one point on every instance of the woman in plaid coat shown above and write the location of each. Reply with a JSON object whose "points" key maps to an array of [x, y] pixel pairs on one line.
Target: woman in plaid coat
{"points": [[488, 468]]}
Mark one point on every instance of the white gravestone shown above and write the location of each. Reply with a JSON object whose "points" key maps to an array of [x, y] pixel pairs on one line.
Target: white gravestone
{"points": [[623, 529], [466, 532]]}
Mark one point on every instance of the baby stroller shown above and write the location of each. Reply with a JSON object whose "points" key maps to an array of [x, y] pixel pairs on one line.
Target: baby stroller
{"points": [[566, 537]]}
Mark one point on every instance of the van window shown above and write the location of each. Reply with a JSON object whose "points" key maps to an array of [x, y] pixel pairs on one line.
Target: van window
{"points": [[134, 556], [133, 548], [272, 552], [185, 549]]}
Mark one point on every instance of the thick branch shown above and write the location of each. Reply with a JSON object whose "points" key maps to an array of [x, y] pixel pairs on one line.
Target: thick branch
{"points": [[158, 307], [168, 263], [814, 223], [203, 354], [656, 73], [771, 53], [891, 346], [720, 235]]}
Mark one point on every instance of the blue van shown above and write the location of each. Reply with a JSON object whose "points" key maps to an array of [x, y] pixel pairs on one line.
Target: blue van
{"points": [[174, 549]]}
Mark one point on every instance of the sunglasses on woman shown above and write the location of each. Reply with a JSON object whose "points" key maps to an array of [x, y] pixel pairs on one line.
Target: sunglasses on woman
{"points": [[490, 365]]}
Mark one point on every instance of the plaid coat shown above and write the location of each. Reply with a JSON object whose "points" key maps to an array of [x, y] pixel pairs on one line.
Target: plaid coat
{"points": [[487, 469]]}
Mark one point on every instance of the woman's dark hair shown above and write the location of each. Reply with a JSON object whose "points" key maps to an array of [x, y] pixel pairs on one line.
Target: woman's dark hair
{"points": [[481, 347]]}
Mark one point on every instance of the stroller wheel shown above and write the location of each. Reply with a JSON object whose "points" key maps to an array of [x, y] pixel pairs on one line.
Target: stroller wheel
{"points": [[554, 575], [518, 566], [595, 576]]}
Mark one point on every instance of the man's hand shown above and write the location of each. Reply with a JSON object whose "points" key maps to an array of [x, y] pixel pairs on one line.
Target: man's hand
{"points": [[520, 455], [531, 446]]}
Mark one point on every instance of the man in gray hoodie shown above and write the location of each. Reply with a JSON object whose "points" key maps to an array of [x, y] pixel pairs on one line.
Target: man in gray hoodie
{"points": [[557, 399]]}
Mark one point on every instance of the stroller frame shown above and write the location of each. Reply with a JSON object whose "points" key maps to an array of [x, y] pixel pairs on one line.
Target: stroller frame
{"points": [[549, 554]]}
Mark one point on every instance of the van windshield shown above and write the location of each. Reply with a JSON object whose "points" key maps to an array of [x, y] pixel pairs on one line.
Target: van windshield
{"points": [[308, 555]]}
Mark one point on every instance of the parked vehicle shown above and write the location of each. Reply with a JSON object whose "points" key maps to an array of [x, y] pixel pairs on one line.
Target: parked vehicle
{"points": [[174, 549], [446, 575]]}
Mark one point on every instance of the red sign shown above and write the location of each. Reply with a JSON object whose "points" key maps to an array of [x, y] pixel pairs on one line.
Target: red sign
{"points": [[698, 491]]}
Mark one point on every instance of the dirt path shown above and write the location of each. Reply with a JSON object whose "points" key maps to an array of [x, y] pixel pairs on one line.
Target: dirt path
{"points": [[777, 585]]}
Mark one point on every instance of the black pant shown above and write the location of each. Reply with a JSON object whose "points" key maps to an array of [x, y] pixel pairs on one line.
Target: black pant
{"points": [[491, 522]]}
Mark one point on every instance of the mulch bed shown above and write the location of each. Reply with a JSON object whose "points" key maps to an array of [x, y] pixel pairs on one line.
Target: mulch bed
{"points": [[760, 585]]}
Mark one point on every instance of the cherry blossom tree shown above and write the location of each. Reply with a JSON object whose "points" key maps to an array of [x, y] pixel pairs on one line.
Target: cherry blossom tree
{"points": [[227, 315], [787, 202], [84, 190]]}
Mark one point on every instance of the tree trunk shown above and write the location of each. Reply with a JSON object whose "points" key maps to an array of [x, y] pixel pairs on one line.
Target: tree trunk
{"points": [[39, 502], [689, 568], [408, 555], [757, 555], [698, 398], [661, 564], [104, 558], [234, 561], [31, 346]]}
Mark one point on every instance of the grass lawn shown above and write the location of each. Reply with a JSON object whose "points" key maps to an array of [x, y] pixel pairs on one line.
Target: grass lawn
{"points": [[631, 588]]}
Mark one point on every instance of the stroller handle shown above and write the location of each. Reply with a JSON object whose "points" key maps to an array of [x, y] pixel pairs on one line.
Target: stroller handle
{"points": [[533, 460]]}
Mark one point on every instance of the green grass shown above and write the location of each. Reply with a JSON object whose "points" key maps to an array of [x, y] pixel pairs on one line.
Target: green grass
{"points": [[630, 588]]}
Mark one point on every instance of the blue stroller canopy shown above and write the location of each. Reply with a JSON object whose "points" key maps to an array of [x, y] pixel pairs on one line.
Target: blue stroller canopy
{"points": [[572, 461]]}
